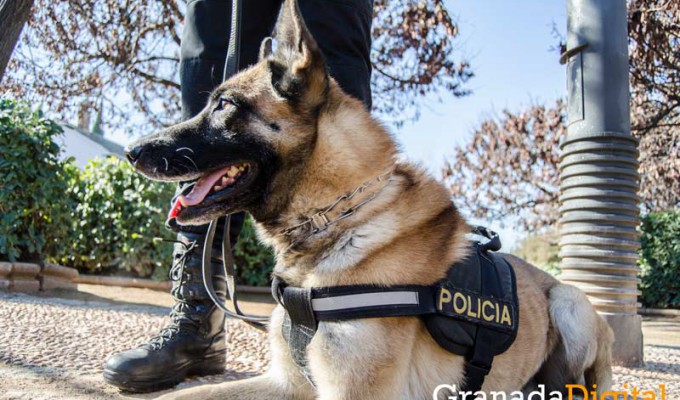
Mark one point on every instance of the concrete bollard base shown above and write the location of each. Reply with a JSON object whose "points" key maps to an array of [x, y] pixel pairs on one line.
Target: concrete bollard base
{"points": [[627, 349]]}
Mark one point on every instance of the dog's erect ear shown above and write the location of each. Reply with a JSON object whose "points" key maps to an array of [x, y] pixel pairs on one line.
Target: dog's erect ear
{"points": [[266, 48], [297, 65]]}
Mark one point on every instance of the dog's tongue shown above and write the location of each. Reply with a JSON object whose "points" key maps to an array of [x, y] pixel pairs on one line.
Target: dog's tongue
{"points": [[202, 188]]}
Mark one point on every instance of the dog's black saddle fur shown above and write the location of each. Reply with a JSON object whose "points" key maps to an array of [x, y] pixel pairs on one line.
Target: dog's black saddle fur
{"points": [[472, 312]]}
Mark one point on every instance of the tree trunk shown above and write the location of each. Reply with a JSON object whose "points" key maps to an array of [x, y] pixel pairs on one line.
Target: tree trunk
{"points": [[13, 16]]}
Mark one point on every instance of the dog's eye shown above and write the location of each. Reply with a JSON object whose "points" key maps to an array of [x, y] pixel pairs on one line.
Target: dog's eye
{"points": [[225, 103]]}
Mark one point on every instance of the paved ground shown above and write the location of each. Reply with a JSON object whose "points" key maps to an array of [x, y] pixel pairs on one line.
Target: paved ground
{"points": [[52, 346]]}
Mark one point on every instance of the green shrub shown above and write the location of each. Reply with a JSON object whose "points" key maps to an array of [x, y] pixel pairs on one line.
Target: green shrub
{"points": [[660, 260], [119, 213], [34, 210], [254, 261]]}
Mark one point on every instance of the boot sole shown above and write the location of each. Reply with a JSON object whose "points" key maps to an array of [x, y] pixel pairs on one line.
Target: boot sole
{"points": [[134, 384]]}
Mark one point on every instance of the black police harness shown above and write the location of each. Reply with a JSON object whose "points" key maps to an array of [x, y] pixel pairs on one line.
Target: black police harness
{"points": [[473, 312]]}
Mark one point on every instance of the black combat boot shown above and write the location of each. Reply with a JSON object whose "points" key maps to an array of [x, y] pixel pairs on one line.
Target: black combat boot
{"points": [[193, 344]]}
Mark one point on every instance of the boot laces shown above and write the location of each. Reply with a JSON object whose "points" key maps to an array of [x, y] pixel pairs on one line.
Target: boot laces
{"points": [[179, 312]]}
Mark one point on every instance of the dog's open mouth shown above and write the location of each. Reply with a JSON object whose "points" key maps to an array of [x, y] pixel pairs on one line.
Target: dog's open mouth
{"points": [[215, 187]]}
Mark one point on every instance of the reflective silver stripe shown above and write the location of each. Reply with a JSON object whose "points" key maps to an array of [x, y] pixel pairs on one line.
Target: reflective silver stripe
{"points": [[364, 300]]}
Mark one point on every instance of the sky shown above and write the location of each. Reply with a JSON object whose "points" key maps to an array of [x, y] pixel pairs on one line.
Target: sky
{"points": [[508, 44]]}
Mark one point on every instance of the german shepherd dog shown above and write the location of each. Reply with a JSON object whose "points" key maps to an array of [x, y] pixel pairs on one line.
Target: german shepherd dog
{"points": [[282, 141]]}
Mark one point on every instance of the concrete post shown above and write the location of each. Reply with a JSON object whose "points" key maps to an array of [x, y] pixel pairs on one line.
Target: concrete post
{"points": [[598, 172]]}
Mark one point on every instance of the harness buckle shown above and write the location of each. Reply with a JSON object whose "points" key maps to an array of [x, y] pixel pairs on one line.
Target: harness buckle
{"points": [[494, 242], [319, 222]]}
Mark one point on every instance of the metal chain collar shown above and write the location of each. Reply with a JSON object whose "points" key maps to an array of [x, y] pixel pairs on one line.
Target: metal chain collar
{"points": [[322, 219]]}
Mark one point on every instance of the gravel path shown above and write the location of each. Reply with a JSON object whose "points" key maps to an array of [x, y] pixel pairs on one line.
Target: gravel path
{"points": [[53, 348]]}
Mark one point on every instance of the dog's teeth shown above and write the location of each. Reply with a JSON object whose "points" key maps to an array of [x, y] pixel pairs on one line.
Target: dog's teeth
{"points": [[218, 188], [232, 172], [225, 180], [182, 201]]}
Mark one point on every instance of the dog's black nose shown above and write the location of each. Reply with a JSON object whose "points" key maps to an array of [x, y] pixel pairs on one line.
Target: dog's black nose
{"points": [[133, 153]]}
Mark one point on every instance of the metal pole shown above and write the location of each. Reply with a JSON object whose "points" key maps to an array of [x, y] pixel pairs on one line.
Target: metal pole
{"points": [[598, 172]]}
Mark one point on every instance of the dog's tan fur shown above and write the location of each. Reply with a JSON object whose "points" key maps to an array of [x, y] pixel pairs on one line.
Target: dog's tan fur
{"points": [[409, 234]]}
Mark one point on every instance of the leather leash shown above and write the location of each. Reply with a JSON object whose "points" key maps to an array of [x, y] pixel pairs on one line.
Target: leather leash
{"points": [[259, 322]]}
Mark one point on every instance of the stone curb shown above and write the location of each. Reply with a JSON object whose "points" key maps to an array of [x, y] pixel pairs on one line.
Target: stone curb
{"points": [[123, 282], [19, 277], [667, 312], [55, 276], [30, 277], [150, 284]]}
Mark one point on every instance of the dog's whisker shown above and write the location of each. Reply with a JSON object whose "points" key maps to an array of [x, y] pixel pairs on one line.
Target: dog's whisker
{"points": [[167, 165], [185, 148], [192, 161], [187, 168]]}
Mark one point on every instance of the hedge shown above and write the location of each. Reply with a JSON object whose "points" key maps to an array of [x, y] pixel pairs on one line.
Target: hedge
{"points": [[660, 260], [35, 214], [117, 217], [254, 261]]}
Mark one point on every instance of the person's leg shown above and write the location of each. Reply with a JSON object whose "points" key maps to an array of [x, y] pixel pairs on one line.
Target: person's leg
{"points": [[341, 27], [194, 341], [343, 30], [204, 45]]}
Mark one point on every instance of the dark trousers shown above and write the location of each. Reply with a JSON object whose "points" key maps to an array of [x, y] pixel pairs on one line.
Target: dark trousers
{"points": [[342, 29]]}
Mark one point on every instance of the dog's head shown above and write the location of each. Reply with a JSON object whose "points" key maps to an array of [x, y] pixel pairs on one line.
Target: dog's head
{"points": [[254, 134]]}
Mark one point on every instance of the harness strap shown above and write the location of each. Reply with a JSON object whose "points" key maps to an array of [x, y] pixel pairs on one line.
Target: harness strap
{"points": [[299, 327], [478, 364], [494, 242], [340, 303]]}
